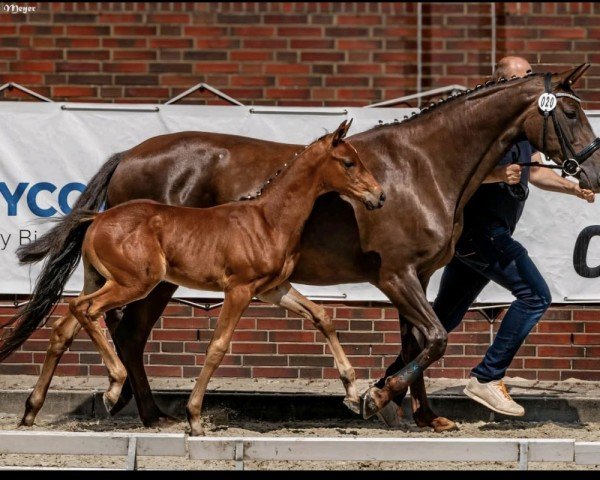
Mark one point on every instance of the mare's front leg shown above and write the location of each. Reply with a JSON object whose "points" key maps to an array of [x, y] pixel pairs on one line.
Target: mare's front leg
{"points": [[130, 334], [236, 301], [423, 415], [406, 293], [288, 297]]}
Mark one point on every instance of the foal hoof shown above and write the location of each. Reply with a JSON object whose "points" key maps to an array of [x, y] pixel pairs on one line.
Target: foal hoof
{"points": [[197, 431], [121, 403], [108, 403], [353, 405], [368, 405], [26, 422]]}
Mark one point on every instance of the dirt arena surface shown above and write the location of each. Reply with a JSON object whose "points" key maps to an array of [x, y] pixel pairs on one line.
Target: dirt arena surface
{"points": [[220, 422]]}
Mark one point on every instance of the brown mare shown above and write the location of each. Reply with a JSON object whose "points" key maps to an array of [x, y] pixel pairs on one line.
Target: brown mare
{"points": [[429, 166], [244, 249]]}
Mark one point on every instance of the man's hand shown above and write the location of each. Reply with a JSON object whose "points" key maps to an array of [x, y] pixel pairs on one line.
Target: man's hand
{"points": [[585, 194], [511, 174]]}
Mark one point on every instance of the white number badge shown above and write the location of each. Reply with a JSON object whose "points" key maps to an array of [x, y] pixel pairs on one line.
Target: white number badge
{"points": [[547, 102]]}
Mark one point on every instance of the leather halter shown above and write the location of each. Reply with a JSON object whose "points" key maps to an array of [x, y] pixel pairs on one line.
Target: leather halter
{"points": [[570, 164]]}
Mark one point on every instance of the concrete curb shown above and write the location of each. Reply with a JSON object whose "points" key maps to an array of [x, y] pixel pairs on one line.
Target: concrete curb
{"points": [[299, 406]]}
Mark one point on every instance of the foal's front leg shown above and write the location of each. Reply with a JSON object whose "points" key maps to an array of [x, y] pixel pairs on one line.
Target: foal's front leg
{"points": [[236, 301], [288, 297]]}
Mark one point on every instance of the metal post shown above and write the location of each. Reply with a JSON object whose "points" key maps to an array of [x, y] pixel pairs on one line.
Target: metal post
{"points": [[493, 22], [419, 52], [524, 455], [132, 454], [239, 455]]}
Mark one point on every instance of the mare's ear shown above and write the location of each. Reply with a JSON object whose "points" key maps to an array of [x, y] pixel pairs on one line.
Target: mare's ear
{"points": [[341, 132], [569, 77]]}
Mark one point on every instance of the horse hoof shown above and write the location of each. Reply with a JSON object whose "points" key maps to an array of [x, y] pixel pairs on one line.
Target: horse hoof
{"points": [[431, 420], [117, 407], [391, 415], [160, 421], [26, 422], [353, 405], [121, 403], [441, 424], [196, 432], [108, 403], [368, 405]]}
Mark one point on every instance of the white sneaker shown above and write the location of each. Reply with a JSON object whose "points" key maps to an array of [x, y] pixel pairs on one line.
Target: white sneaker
{"points": [[391, 415], [494, 396]]}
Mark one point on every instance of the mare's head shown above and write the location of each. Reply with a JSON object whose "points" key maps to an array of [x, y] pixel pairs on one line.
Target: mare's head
{"points": [[557, 126], [343, 171]]}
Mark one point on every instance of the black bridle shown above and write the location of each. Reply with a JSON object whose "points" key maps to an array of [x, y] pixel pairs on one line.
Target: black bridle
{"points": [[547, 103], [571, 164]]}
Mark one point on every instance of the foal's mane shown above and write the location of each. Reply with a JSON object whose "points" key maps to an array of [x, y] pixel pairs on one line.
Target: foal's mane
{"points": [[270, 180]]}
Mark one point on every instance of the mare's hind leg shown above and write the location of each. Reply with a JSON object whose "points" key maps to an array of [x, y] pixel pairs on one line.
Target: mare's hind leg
{"points": [[236, 301], [130, 334], [64, 331], [288, 297]]}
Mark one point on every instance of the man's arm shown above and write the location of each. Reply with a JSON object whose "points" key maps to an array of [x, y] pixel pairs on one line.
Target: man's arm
{"points": [[546, 180]]}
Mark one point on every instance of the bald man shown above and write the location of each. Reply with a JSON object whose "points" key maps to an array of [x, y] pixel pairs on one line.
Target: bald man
{"points": [[486, 251]]}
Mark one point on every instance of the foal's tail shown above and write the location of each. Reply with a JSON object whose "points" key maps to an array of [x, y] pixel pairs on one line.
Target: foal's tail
{"points": [[64, 256], [93, 197]]}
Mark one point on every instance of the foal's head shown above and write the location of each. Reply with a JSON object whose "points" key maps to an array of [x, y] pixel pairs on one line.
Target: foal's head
{"points": [[344, 172]]}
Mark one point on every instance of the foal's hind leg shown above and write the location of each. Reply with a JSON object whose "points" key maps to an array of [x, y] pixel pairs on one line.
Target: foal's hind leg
{"points": [[87, 309], [64, 331], [236, 301], [288, 297], [130, 335]]}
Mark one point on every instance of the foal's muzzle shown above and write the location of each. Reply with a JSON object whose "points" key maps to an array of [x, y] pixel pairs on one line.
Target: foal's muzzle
{"points": [[373, 202]]}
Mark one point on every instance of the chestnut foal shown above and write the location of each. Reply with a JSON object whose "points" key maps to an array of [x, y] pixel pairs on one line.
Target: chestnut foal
{"points": [[244, 249]]}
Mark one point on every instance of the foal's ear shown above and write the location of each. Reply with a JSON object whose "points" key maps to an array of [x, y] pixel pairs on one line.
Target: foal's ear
{"points": [[341, 132], [569, 77]]}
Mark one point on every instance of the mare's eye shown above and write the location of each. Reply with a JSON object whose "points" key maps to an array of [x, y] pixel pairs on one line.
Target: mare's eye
{"points": [[349, 164], [571, 114]]}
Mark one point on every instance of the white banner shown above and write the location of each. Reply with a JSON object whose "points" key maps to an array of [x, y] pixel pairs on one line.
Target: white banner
{"points": [[49, 151]]}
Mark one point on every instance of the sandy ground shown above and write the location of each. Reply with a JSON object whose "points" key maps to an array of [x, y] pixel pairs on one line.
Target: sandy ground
{"points": [[220, 422], [569, 388]]}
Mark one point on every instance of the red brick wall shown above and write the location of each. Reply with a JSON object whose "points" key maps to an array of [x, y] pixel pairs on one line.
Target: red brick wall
{"points": [[302, 53], [270, 342]]}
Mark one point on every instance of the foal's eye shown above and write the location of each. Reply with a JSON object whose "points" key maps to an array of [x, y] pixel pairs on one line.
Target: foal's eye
{"points": [[571, 114], [349, 164]]}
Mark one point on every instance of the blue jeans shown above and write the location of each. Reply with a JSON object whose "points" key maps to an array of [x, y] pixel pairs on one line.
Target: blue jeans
{"points": [[493, 255]]}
